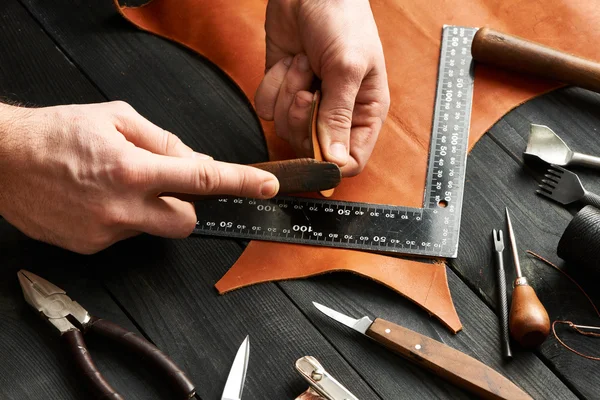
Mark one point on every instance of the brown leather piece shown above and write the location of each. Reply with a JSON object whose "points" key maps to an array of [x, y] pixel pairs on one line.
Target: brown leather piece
{"points": [[231, 34]]}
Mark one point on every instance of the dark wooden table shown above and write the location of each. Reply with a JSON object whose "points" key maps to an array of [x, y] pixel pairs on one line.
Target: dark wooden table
{"points": [[76, 51]]}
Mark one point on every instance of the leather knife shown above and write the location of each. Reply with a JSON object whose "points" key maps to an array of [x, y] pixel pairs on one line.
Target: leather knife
{"points": [[443, 360]]}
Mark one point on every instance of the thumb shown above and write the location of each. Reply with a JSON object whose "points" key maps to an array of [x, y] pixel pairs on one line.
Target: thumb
{"points": [[339, 89], [144, 134]]}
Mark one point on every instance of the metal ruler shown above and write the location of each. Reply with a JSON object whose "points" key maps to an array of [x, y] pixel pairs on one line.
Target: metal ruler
{"points": [[429, 231]]}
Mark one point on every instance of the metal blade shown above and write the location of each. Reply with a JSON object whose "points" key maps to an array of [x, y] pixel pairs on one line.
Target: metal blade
{"points": [[513, 245], [360, 325], [237, 375]]}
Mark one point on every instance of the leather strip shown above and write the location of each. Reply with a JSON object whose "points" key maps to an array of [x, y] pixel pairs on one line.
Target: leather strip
{"points": [[231, 35]]}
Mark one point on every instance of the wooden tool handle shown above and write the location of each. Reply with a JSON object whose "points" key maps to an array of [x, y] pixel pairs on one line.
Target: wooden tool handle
{"points": [[295, 176], [521, 55], [449, 363], [529, 322]]}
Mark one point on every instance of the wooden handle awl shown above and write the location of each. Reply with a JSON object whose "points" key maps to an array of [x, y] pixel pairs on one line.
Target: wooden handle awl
{"points": [[443, 360], [295, 176], [521, 55]]}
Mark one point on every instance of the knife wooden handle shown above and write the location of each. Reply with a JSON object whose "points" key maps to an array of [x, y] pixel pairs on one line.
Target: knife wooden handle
{"points": [[295, 176], [521, 55], [443, 360]]}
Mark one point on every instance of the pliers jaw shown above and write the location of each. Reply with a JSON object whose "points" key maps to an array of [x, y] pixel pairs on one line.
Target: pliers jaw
{"points": [[52, 302]]}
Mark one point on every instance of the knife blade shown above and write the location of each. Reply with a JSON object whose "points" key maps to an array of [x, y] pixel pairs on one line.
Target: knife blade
{"points": [[237, 374], [445, 361]]}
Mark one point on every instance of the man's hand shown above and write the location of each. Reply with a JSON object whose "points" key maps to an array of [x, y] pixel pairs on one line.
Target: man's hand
{"points": [[83, 177], [337, 40]]}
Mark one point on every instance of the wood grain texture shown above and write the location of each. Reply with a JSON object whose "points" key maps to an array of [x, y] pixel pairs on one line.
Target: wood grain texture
{"points": [[502, 179], [34, 364], [518, 54], [455, 366]]}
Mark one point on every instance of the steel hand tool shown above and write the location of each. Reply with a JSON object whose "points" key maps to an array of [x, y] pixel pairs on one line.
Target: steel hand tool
{"points": [[322, 384], [502, 299], [443, 360], [546, 145], [73, 321], [564, 187], [237, 374], [529, 323]]}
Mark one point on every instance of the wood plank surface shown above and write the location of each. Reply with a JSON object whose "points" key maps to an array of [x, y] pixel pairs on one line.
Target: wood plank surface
{"points": [[167, 286], [498, 178], [34, 72]]}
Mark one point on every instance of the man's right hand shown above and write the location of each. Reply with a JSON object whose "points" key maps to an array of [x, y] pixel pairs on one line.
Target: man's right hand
{"points": [[83, 177]]}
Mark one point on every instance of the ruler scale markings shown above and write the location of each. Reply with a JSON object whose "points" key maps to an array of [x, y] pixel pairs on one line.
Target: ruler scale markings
{"points": [[429, 231]]}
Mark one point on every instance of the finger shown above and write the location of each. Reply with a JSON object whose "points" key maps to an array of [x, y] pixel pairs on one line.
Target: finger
{"points": [[143, 133], [299, 77], [268, 90], [166, 217], [339, 87], [299, 123], [370, 112], [206, 177]]}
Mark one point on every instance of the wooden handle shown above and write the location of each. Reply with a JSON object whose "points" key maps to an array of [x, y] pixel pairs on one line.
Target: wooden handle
{"points": [[521, 55], [443, 360], [529, 322], [295, 176]]}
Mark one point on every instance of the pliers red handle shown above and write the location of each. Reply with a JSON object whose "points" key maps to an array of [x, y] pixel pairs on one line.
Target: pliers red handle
{"points": [[73, 322]]}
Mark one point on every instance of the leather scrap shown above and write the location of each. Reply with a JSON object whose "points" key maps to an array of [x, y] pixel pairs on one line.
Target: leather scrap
{"points": [[231, 35]]}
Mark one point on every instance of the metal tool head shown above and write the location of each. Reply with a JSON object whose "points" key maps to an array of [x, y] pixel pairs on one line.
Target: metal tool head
{"points": [[513, 245], [498, 240], [561, 185], [543, 143], [51, 301], [321, 381], [237, 374], [360, 325]]}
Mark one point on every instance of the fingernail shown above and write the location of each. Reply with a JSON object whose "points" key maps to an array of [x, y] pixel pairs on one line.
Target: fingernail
{"points": [[338, 151], [302, 63], [287, 61], [269, 188], [202, 156]]}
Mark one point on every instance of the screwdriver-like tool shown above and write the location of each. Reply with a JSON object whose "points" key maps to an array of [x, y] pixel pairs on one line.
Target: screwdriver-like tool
{"points": [[502, 298], [529, 323]]}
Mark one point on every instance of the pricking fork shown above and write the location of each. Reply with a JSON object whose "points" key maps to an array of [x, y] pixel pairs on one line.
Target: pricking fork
{"points": [[564, 187], [502, 299]]}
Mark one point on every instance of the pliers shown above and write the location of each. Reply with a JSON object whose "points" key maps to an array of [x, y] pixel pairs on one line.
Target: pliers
{"points": [[73, 321]]}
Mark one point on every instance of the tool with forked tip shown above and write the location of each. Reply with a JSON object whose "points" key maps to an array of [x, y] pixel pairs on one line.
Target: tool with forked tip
{"points": [[443, 360], [564, 187], [529, 323], [502, 298]]}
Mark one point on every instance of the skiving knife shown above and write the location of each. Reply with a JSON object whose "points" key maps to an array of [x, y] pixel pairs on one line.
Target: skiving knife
{"points": [[443, 360]]}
